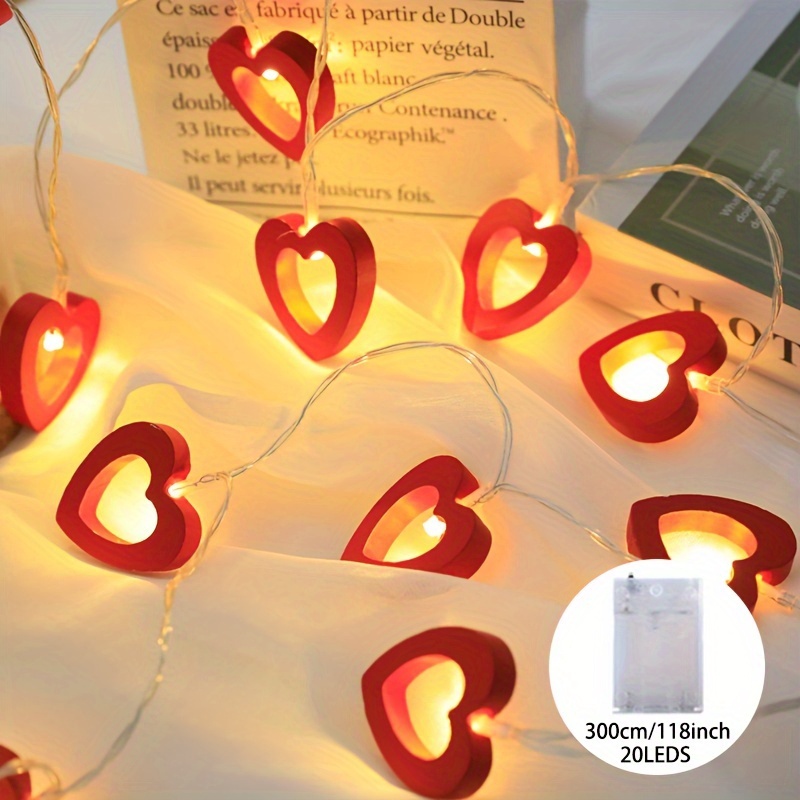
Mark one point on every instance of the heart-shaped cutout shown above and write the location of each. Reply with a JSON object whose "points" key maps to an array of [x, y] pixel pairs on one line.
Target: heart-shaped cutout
{"points": [[244, 77], [5, 12], [123, 506], [674, 406], [418, 698], [418, 523], [350, 250], [16, 787], [485, 684], [45, 349], [767, 543], [568, 264], [177, 530]]}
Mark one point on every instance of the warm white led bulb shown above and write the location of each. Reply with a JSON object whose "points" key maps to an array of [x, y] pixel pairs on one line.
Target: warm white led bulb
{"points": [[434, 526], [317, 255], [270, 74], [53, 340], [641, 379], [534, 249]]}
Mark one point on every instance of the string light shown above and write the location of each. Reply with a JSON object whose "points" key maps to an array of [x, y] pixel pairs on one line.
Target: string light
{"points": [[738, 541], [421, 523], [434, 526], [553, 214], [641, 379], [480, 719], [62, 270], [246, 17], [419, 698], [639, 376], [227, 477], [309, 186], [53, 340], [270, 74], [46, 349], [714, 385]]}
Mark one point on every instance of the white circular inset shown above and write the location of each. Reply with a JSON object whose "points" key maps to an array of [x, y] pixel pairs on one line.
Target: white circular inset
{"points": [[656, 670]]}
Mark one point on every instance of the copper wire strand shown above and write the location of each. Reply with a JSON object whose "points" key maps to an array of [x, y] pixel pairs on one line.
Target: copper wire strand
{"points": [[49, 209]]}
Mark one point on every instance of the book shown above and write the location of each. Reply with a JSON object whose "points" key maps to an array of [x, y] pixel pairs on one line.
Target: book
{"points": [[678, 242]]}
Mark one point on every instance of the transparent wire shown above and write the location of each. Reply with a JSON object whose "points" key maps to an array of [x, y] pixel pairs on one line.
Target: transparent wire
{"points": [[257, 40], [52, 112], [55, 790], [166, 629], [20, 766], [782, 598], [48, 209], [595, 535], [710, 383], [308, 167], [540, 740], [779, 707], [474, 360], [311, 212], [764, 419]]}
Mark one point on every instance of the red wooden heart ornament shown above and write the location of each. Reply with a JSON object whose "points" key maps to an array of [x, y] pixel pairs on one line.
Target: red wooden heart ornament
{"points": [[489, 677], [568, 264], [5, 12], [674, 408], [16, 787], [347, 245], [240, 74], [177, 532], [45, 349], [767, 539], [462, 541]]}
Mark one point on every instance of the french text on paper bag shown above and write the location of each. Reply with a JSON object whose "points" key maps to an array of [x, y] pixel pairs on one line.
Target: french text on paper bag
{"points": [[195, 139]]}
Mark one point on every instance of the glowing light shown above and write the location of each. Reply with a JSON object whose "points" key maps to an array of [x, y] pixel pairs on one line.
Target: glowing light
{"points": [[270, 74], [434, 526], [421, 533], [708, 552], [517, 272], [317, 255], [175, 490], [534, 249], [697, 380], [547, 219], [481, 723], [123, 508], [53, 340], [430, 697], [641, 379]]}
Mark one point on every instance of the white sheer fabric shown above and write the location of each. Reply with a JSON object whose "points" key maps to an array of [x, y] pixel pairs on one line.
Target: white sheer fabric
{"points": [[262, 693]]}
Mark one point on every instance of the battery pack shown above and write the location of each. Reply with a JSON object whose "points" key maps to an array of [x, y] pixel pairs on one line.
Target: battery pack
{"points": [[658, 654]]}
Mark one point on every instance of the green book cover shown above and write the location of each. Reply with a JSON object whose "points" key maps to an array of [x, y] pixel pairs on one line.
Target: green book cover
{"points": [[754, 139]]}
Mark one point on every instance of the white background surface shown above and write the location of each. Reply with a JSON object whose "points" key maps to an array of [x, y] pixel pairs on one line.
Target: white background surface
{"points": [[273, 632]]}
